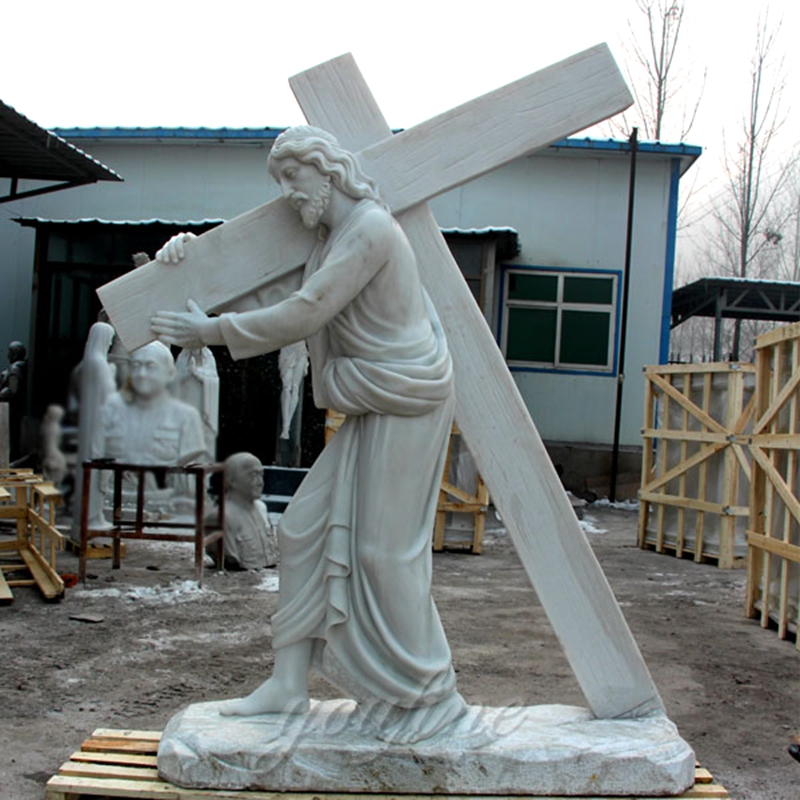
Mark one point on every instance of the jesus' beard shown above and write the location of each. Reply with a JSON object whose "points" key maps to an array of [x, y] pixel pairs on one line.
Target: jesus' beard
{"points": [[312, 210]]}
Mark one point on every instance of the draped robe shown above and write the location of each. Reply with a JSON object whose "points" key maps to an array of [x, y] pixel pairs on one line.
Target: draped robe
{"points": [[355, 543]]}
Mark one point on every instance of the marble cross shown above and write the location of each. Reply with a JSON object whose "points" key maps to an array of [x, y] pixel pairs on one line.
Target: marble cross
{"points": [[269, 243]]}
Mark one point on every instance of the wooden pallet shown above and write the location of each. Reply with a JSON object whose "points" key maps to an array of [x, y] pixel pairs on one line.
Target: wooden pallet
{"points": [[122, 763]]}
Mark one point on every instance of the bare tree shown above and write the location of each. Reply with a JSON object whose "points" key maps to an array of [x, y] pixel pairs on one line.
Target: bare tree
{"points": [[660, 85], [747, 217]]}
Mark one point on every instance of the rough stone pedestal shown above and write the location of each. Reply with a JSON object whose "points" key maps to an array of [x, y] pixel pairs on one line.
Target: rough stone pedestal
{"points": [[539, 750]]}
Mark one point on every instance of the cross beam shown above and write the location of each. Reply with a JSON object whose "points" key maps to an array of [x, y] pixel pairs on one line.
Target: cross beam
{"points": [[410, 168]]}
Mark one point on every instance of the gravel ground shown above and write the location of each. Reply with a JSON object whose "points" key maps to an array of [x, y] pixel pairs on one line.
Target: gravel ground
{"points": [[732, 688]]}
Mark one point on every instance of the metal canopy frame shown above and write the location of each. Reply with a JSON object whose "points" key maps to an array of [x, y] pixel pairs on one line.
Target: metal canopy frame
{"points": [[28, 152], [735, 298]]}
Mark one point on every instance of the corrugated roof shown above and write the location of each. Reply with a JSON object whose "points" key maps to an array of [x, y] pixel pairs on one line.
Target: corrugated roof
{"points": [[28, 152]]}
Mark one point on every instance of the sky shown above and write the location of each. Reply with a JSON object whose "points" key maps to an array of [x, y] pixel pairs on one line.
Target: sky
{"points": [[174, 63]]}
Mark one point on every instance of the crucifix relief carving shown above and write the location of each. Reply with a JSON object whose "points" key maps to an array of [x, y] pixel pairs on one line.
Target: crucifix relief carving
{"points": [[267, 247]]}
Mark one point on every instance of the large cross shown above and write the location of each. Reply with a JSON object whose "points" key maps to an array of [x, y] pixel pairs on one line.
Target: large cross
{"points": [[264, 245]]}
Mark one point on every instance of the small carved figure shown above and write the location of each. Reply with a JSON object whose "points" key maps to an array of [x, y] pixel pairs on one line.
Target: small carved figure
{"points": [[198, 385], [250, 541], [355, 565], [293, 367], [13, 390], [54, 462]]}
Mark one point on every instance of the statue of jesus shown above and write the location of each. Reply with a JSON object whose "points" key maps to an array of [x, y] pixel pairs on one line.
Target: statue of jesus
{"points": [[355, 568]]}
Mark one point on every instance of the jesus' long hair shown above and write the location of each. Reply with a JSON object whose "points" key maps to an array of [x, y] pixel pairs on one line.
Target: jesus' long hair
{"points": [[315, 146]]}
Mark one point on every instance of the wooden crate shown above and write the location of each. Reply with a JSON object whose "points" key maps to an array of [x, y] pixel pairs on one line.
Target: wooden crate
{"points": [[695, 464], [30, 558], [463, 501], [122, 764], [773, 570]]}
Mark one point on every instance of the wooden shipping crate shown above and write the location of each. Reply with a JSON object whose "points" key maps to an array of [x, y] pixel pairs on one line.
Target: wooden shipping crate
{"points": [[695, 464], [773, 568]]}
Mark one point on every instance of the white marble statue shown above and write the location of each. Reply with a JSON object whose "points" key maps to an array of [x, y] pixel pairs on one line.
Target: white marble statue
{"points": [[54, 462], [355, 566], [147, 425], [293, 368], [197, 384], [250, 541], [96, 384]]}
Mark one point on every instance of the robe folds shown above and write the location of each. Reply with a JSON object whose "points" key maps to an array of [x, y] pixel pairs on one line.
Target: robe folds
{"points": [[355, 541]]}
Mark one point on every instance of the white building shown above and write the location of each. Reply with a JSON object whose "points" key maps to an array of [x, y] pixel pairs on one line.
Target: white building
{"points": [[555, 306]]}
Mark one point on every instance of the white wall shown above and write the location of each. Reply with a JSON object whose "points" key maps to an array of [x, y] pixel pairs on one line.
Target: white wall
{"points": [[571, 211]]}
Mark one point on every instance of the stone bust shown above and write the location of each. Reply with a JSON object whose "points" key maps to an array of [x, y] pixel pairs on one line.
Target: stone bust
{"points": [[146, 425], [250, 541]]}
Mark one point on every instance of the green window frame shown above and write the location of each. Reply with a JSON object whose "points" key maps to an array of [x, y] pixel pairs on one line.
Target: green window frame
{"points": [[560, 319]]}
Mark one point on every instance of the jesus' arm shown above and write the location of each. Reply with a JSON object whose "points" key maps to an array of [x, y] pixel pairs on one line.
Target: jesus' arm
{"points": [[354, 259]]}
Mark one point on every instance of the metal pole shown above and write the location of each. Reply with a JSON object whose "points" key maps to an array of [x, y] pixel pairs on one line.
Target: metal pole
{"points": [[623, 332]]}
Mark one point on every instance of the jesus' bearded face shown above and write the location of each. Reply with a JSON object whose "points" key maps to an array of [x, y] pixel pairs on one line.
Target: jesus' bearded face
{"points": [[306, 189]]}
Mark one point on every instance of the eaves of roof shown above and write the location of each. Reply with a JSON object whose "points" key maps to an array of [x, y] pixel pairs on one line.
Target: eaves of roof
{"points": [[28, 152]]}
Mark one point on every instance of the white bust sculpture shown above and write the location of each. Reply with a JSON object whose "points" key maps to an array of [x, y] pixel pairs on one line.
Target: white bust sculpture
{"points": [[146, 425], [250, 541], [355, 566]]}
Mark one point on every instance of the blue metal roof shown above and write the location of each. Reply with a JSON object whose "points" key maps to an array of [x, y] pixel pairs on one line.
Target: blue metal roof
{"points": [[687, 153], [219, 134]]}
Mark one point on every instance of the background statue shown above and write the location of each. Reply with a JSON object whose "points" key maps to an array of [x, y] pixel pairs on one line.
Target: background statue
{"points": [[54, 462], [198, 385], [14, 390], [355, 567], [293, 366], [147, 425], [250, 541], [97, 383]]}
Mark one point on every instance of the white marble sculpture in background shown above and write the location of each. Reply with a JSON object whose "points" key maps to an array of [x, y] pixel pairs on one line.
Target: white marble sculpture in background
{"points": [[293, 368], [197, 384], [147, 425], [97, 382], [54, 462], [250, 541], [355, 549]]}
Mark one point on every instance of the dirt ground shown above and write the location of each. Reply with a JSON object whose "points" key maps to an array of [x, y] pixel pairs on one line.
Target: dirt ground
{"points": [[732, 688]]}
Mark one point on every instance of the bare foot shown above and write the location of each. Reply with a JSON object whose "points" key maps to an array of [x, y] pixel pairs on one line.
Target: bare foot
{"points": [[270, 698]]}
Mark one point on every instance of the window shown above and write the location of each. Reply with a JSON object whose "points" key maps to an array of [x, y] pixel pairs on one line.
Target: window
{"points": [[559, 319]]}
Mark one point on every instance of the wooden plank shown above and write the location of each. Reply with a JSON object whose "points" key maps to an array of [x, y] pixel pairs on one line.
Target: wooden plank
{"points": [[687, 502], [107, 771], [714, 366], [505, 444], [424, 161], [690, 436], [786, 550], [774, 337], [6, 595], [122, 759], [648, 457], [127, 734], [47, 579], [104, 745]]}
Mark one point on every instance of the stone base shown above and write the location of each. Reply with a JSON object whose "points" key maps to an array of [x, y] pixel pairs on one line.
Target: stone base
{"points": [[539, 750]]}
